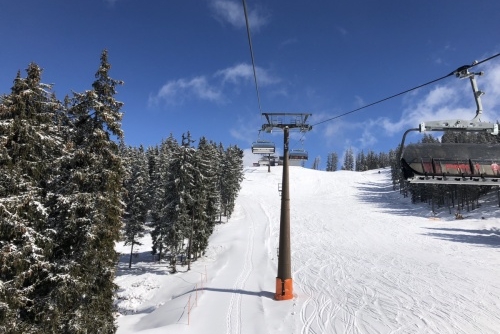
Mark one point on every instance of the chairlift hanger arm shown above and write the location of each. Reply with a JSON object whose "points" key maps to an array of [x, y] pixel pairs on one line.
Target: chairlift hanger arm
{"points": [[459, 124]]}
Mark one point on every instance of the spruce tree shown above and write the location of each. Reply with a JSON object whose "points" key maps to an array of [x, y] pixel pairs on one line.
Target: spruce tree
{"points": [[89, 207], [316, 163], [231, 177], [32, 125], [136, 198], [207, 196], [348, 160], [159, 170], [331, 162], [361, 162], [179, 198]]}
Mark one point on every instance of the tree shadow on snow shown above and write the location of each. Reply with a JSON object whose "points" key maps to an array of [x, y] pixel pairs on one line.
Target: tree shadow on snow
{"points": [[388, 200], [142, 262], [484, 238]]}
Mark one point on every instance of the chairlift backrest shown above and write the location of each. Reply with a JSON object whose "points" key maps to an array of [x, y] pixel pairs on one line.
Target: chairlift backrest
{"points": [[263, 147], [298, 154], [452, 163]]}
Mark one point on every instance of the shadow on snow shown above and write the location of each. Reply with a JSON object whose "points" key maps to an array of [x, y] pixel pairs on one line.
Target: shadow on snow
{"points": [[265, 294], [484, 238]]}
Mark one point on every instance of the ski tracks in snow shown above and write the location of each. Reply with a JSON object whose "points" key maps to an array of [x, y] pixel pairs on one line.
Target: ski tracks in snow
{"points": [[358, 276], [233, 318]]}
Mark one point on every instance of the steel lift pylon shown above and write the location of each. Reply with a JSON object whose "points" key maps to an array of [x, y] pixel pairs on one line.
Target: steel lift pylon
{"points": [[285, 122]]}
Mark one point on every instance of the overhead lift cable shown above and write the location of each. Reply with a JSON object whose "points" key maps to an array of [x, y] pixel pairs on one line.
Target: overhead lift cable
{"points": [[251, 54], [455, 72]]}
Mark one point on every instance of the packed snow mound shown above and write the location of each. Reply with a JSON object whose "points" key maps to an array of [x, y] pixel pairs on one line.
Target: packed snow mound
{"points": [[364, 260]]}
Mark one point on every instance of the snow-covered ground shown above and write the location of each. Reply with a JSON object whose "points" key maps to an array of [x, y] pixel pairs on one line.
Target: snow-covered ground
{"points": [[364, 260]]}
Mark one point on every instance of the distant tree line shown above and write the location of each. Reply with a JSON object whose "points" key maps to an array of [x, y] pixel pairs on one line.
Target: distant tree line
{"points": [[70, 189], [362, 161]]}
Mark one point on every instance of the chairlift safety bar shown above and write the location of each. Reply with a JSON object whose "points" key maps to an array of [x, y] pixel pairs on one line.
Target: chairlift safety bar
{"points": [[478, 181]]}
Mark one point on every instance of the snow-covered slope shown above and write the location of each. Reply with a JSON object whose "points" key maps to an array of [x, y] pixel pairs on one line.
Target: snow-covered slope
{"points": [[364, 260]]}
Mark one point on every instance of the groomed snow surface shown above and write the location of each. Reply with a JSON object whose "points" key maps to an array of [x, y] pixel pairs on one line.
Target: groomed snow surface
{"points": [[364, 260]]}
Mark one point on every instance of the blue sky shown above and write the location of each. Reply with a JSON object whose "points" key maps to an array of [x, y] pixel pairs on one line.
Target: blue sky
{"points": [[186, 64]]}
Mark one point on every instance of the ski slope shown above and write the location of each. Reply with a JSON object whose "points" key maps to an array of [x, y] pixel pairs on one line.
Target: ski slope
{"points": [[364, 260]]}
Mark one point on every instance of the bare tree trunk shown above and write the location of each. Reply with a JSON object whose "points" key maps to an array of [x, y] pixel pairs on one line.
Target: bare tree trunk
{"points": [[131, 253], [190, 242], [161, 252]]}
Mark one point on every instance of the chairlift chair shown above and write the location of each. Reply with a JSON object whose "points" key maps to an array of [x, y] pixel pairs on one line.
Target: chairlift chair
{"points": [[298, 154], [453, 163], [263, 147]]}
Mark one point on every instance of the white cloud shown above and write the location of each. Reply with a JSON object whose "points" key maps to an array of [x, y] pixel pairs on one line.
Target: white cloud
{"points": [[280, 92], [111, 2], [490, 83], [249, 158], [368, 138], [232, 13], [246, 129], [244, 72], [209, 88], [289, 41], [342, 31], [177, 91], [359, 102]]}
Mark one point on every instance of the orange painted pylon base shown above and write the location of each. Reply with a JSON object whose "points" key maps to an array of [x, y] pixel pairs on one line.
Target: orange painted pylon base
{"points": [[284, 289]]}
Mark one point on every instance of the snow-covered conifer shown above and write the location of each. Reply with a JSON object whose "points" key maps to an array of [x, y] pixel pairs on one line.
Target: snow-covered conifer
{"points": [[231, 177], [159, 162], [90, 208], [331, 162], [136, 198], [348, 160], [179, 197], [32, 125], [208, 163]]}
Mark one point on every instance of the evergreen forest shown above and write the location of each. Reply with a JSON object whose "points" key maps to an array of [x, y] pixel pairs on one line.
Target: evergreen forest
{"points": [[70, 189]]}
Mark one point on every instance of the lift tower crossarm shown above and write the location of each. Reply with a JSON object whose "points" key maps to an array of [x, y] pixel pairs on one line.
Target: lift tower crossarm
{"points": [[286, 120]]}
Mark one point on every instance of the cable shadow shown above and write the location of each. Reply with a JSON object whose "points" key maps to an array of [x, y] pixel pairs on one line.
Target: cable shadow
{"points": [[264, 294]]}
